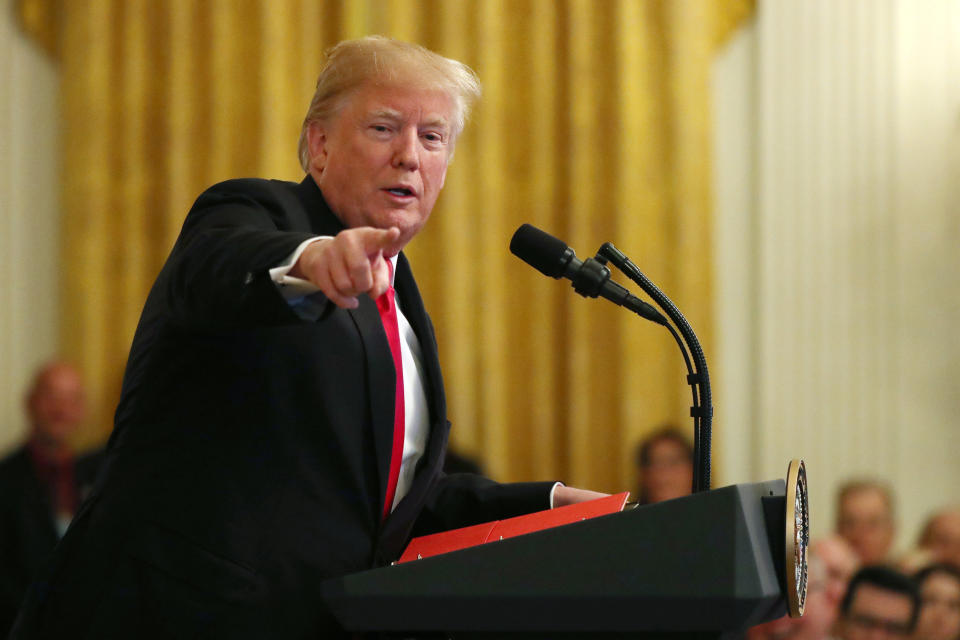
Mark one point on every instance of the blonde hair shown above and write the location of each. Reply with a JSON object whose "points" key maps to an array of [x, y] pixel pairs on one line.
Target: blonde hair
{"points": [[352, 63]]}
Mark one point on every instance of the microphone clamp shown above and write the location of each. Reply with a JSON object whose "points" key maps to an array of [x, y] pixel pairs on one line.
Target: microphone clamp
{"points": [[589, 279]]}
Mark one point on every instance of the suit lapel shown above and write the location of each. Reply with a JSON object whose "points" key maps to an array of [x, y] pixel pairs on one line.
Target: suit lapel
{"points": [[415, 313], [381, 378]]}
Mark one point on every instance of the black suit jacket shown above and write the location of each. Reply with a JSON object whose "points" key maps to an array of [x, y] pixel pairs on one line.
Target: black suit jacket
{"points": [[28, 532], [251, 447]]}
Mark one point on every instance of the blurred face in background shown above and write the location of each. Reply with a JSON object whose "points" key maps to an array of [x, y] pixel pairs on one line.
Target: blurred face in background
{"points": [[939, 608], [839, 564], [942, 537], [876, 614], [56, 405], [865, 521], [668, 471], [818, 615]]}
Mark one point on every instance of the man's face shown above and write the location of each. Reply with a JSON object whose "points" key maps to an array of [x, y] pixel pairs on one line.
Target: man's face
{"points": [[944, 538], [381, 161], [56, 404], [819, 613], [866, 523], [668, 473], [839, 564], [940, 608], [876, 614]]}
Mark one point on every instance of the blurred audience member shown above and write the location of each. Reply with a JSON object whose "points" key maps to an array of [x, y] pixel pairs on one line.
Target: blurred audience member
{"points": [[664, 462], [865, 519], [839, 563], [879, 603], [831, 563], [939, 587], [41, 483], [941, 536]]}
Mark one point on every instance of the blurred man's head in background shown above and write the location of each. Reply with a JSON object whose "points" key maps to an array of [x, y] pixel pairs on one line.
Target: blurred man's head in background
{"points": [[879, 603], [56, 406], [941, 536], [865, 519], [831, 564], [839, 562]]}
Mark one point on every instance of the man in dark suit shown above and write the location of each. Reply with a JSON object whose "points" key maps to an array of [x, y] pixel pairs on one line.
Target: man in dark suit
{"points": [[41, 483], [283, 419]]}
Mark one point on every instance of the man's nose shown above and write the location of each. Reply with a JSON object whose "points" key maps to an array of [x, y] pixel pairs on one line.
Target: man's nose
{"points": [[406, 153]]}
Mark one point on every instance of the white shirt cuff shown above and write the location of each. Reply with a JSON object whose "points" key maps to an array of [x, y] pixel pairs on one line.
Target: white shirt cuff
{"points": [[554, 490], [289, 286]]}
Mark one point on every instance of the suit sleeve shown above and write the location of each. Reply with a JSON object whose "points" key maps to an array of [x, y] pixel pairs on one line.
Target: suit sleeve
{"points": [[465, 499], [218, 271]]}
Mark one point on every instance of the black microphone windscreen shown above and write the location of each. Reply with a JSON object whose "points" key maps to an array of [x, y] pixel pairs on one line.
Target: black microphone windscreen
{"points": [[539, 249]]}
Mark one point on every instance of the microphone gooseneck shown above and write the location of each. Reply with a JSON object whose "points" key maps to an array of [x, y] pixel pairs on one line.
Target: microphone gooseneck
{"points": [[702, 409], [591, 277]]}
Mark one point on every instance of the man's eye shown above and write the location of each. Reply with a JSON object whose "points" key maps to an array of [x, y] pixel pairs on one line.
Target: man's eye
{"points": [[433, 137], [380, 128]]}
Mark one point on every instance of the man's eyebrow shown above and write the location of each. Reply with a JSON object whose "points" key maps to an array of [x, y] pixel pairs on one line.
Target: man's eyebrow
{"points": [[389, 114], [436, 121], [392, 114]]}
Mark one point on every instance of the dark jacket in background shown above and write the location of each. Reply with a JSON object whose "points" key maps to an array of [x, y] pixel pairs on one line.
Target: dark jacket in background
{"points": [[28, 531]]}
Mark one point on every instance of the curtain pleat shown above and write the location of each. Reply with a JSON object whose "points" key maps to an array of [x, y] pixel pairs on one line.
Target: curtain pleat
{"points": [[594, 125]]}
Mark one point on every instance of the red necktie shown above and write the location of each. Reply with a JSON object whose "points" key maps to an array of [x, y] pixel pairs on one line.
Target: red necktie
{"points": [[388, 314], [57, 474]]}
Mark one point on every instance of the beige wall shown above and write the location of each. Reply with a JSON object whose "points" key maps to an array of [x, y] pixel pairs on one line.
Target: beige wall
{"points": [[838, 249], [28, 220]]}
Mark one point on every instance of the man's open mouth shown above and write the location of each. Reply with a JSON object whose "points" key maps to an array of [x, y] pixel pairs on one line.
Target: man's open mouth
{"points": [[400, 191]]}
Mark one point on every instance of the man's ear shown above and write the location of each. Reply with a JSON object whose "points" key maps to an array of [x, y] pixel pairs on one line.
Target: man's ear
{"points": [[317, 146]]}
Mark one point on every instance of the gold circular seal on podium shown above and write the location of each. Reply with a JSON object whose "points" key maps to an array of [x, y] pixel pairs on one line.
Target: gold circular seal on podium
{"points": [[797, 537]]}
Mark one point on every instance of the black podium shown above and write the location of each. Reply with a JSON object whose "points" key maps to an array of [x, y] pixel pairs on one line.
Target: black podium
{"points": [[706, 565]]}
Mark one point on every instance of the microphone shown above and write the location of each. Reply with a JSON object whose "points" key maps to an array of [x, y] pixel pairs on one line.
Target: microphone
{"points": [[552, 257]]}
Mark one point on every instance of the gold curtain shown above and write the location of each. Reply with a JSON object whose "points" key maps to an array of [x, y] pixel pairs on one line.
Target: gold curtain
{"points": [[594, 126]]}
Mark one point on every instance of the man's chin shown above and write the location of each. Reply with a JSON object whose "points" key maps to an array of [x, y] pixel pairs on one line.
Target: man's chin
{"points": [[398, 246], [408, 231]]}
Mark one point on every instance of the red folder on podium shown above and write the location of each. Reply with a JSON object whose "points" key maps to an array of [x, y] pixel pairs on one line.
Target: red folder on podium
{"points": [[426, 546]]}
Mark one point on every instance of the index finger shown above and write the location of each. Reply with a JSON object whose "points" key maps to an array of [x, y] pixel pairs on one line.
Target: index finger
{"points": [[379, 239]]}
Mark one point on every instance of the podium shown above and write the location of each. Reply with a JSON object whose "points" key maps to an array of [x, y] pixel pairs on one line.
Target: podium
{"points": [[706, 565]]}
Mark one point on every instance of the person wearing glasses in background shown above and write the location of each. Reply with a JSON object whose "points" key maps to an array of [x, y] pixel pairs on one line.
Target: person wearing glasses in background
{"points": [[879, 603]]}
